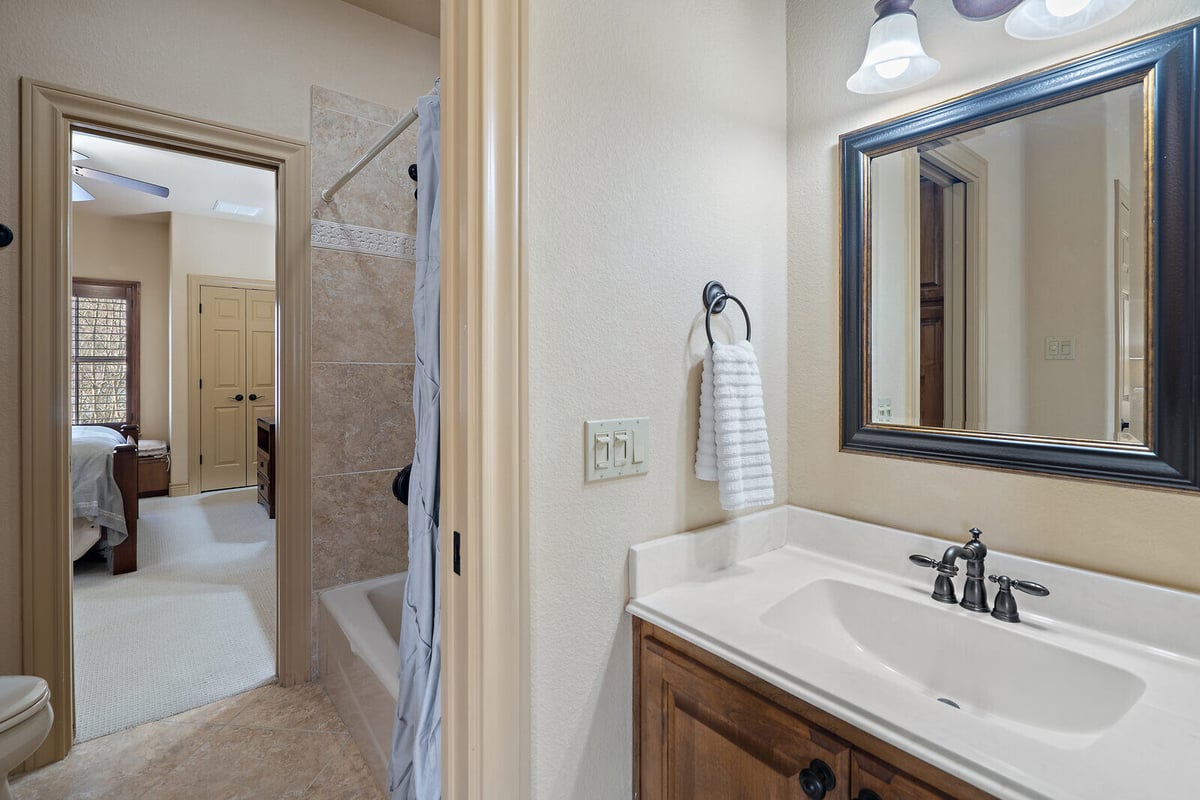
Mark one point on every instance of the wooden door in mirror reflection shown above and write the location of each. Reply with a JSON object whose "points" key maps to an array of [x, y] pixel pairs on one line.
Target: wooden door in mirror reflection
{"points": [[933, 305]]}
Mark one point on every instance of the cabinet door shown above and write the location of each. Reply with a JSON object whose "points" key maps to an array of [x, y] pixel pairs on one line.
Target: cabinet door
{"points": [[869, 776], [706, 738]]}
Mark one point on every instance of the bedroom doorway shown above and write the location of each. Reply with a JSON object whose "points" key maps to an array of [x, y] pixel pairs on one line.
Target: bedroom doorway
{"points": [[173, 593], [210, 587]]}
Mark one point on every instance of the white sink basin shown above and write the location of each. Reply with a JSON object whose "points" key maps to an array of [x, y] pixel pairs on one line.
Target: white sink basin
{"points": [[981, 665]]}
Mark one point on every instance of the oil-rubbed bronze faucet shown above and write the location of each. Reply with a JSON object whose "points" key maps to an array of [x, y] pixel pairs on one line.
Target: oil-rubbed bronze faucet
{"points": [[974, 592]]}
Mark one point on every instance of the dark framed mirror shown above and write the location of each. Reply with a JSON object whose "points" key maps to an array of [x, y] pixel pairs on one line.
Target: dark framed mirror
{"points": [[1021, 273]]}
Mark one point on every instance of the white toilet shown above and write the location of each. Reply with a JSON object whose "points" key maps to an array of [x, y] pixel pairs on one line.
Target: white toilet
{"points": [[25, 718]]}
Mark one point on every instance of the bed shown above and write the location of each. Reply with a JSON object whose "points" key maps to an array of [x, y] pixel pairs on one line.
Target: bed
{"points": [[104, 493]]}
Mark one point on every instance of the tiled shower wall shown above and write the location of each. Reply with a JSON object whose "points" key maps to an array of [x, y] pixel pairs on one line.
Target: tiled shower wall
{"points": [[362, 341]]}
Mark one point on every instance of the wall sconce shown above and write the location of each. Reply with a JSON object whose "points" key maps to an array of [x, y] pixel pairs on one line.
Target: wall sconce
{"points": [[896, 60], [1047, 19]]}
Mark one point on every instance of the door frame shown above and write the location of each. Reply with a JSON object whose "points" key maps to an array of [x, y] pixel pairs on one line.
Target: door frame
{"points": [[194, 284], [48, 115], [484, 473], [971, 169]]}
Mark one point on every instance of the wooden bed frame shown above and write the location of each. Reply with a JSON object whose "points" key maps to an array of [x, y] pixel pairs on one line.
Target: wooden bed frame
{"points": [[123, 557]]}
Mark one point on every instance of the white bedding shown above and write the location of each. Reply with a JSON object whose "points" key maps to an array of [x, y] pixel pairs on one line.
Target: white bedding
{"points": [[94, 492]]}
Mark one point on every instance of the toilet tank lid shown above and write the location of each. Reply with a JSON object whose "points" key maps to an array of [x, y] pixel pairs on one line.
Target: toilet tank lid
{"points": [[19, 694]]}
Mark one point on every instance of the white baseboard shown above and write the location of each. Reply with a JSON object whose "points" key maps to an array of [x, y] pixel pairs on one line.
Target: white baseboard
{"points": [[178, 489]]}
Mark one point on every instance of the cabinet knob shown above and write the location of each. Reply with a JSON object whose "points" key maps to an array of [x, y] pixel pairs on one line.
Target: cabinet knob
{"points": [[817, 779], [253, 397], [867, 794]]}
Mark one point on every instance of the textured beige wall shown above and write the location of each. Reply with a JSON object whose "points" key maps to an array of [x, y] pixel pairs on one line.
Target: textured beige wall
{"points": [[362, 346], [1068, 272], [131, 250], [1144, 534], [247, 64], [657, 148], [206, 246]]}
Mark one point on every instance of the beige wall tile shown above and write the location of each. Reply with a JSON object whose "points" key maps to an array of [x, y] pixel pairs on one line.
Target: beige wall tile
{"points": [[362, 419], [355, 106], [361, 307], [381, 196], [359, 530]]}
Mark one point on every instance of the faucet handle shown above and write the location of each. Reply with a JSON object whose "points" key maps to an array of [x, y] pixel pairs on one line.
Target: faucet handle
{"points": [[1006, 605], [1028, 587], [923, 561]]}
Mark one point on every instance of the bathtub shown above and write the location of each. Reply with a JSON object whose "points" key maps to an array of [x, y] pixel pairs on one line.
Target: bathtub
{"points": [[359, 634]]}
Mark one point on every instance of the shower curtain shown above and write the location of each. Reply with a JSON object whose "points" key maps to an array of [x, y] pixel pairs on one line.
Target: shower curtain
{"points": [[415, 771]]}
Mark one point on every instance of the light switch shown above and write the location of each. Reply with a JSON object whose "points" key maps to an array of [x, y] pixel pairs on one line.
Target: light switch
{"points": [[616, 448], [602, 444], [1060, 348], [620, 449]]}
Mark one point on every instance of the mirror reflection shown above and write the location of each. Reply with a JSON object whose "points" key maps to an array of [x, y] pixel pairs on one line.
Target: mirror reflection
{"points": [[1008, 285]]}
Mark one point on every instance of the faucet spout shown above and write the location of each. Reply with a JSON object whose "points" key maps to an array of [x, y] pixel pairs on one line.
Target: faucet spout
{"points": [[947, 565]]}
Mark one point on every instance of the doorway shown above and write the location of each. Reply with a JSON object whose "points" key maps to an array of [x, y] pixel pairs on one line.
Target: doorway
{"points": [[50, 116], [181, 611], [949, 191]]}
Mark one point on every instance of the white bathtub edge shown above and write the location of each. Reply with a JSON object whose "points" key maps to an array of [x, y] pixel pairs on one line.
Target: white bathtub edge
{"points": [[369, 639]]}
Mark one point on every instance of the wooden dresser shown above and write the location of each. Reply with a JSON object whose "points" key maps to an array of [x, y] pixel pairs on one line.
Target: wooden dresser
{"points": [[266, 465]]}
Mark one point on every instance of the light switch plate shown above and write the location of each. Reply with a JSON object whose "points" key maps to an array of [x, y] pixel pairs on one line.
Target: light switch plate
{"points": [[1060, 348], [616, 448]]}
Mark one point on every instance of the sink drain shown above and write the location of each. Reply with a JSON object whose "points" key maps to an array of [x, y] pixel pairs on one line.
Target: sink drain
{"points": [[948, 702]]}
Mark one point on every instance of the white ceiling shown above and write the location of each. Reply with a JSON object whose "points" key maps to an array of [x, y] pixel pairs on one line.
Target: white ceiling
{"points": [[196, 183], [423, 15]]}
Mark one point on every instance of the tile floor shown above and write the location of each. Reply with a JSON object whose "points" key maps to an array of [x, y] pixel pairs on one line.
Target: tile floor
{"points": [[267, 743]]}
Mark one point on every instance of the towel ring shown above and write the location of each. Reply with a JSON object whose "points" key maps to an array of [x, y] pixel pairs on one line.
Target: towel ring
{"points": [[714, 303]]}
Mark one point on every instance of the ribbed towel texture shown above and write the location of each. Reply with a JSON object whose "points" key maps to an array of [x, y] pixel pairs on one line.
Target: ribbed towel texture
{"points": [[732, 446]]}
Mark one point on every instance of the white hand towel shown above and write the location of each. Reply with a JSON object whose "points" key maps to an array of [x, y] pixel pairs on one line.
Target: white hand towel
{"points": [[706, 445], [744, 473]]}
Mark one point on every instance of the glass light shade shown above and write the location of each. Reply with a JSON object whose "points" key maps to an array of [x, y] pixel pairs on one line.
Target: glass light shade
{"points": [[1049, 19], [80, 194], [895, 58]]}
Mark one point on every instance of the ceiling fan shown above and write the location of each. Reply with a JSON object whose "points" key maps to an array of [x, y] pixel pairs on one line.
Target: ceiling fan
{"points": [[80, 194]]}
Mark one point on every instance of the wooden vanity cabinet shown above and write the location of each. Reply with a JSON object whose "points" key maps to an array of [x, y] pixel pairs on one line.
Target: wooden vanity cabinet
{"points": [[707, 730]]}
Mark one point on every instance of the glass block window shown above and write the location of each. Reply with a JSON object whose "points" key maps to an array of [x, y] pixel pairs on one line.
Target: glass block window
{"points": [[104, 351]]}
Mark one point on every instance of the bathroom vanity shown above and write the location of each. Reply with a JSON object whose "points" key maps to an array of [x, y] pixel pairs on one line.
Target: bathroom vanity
{"points": [[796, 654], [707, 729]]}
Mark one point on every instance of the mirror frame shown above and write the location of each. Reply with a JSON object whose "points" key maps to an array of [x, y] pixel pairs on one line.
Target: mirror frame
{"points": [[1165, 63]]}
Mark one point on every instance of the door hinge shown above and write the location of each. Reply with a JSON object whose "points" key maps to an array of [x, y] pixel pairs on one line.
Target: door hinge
{"points": [[202, 383], [201, 311], [457, 553], [202, 458]]}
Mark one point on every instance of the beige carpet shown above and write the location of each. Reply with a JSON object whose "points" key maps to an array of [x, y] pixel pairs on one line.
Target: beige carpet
{"points": [[194, 624]]}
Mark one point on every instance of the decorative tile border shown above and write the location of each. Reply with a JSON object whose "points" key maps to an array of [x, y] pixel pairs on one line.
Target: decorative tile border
{"points": [[359, 239]]}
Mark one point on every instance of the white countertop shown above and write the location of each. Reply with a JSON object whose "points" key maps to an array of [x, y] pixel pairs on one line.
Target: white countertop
{"points": [[715, 588]]}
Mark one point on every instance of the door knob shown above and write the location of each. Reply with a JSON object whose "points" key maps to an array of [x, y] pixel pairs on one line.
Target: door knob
{"points": [[817, 779], [236, 397], [253, 397]]}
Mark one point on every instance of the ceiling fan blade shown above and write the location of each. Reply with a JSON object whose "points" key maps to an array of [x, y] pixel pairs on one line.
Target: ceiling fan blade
{"points": [[121, 180], [80, 194]]}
